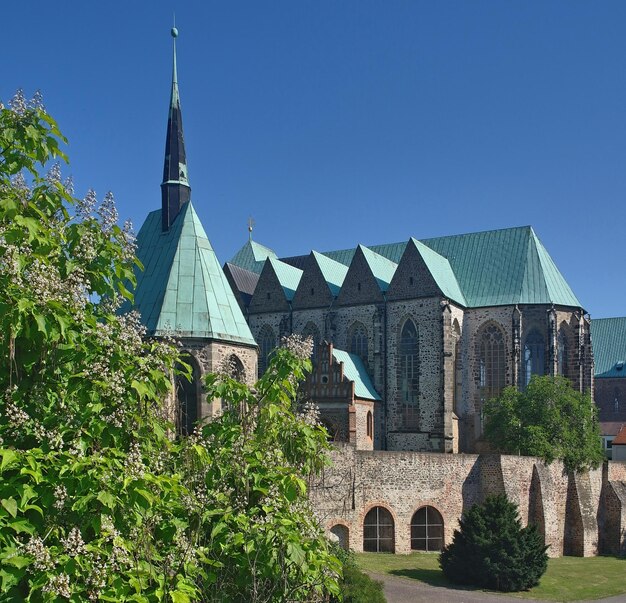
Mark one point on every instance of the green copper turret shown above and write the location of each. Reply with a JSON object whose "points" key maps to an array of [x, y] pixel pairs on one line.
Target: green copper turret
{"points": [[175, 189]]}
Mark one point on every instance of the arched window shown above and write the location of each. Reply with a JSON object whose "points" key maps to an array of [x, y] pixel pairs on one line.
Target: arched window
{"points": [[427, 530], [235, 369], [343, 535], [358, 341], [534, 356], [378, 531], [310, 330], [188, 398], [492, 362], [267, 343], [458, 374], [369, 425], [409, 375], [561, 343]]}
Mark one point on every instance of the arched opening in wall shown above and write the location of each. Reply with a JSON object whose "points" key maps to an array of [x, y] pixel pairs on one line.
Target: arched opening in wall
{"points": [[188, 398], [408, 352], [535, 505], [359, 341], [534, 356], [427, 530], [267, 343], [331, 429], [491, 364], [378, 531], [562, 352], [311, 330], [235, 369], [343, 535], [574, 536], [458, 374], [369, 425]]}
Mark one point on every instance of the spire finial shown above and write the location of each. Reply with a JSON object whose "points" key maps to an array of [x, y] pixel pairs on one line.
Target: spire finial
{"points": [[250, 228]]}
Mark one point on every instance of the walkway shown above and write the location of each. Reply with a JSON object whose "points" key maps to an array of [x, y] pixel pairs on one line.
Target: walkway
{"points": [[405, 590]]}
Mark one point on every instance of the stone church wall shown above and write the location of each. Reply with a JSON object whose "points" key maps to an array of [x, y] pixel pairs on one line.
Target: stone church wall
{"points": [[567, 509]]}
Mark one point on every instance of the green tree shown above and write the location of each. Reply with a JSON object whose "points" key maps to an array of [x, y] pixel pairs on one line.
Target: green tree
{"points": [[548, 419], [97, 502], [493, 550]]}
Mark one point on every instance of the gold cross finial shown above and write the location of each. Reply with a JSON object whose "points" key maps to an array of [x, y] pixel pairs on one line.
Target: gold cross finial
{"points": [[250, 227]]}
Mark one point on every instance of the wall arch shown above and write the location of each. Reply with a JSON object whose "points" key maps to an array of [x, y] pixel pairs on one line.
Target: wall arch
{"points": [[427, 529], [379, 533]]}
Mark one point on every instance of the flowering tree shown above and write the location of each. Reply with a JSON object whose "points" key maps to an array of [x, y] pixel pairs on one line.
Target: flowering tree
{"points": [[96, 501]]}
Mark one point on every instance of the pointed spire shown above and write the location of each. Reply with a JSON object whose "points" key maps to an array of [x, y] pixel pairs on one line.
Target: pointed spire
{"points": [[175, 189]]}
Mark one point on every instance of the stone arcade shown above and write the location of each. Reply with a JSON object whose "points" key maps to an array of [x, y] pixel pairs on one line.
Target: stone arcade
{"points": [[411, 339]]}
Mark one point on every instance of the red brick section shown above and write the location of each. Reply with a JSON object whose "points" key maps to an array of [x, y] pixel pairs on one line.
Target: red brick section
{"points": [[621, 436]]}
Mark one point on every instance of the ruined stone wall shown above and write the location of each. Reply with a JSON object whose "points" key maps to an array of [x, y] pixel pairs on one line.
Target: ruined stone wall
{"points": [[565, 508]]}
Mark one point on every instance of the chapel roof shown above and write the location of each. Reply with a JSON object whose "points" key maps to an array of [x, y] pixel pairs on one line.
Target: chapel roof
{"points": [[609, 346], [354, 370]]}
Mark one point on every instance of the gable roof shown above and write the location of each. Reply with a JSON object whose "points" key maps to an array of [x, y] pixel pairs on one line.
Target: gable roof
{"points": [[354, 370], [382, 268], [287, 275], [608, 337], [252, 256], [620, 438], [333, 272], [182, 289]]}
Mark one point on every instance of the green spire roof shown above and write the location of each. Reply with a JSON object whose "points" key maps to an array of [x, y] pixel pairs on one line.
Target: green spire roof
{"points": [[182, 289], [288, 276], [333, 272], [252, 256], [608, 337], [354, 370]]}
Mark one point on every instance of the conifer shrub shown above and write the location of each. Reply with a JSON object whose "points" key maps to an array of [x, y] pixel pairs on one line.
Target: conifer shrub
{"points": [[493, 550]]}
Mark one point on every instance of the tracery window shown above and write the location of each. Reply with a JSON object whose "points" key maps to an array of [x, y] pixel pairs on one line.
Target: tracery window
{"points": [[534, 356], [492, 363], [427, 530], [267, 343], [561, 343], [187, 397], [409, 375], [358, 341], [378, 531]]}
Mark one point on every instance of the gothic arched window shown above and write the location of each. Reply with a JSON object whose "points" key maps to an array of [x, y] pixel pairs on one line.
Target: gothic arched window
{"points": [[534, 356], [188, 398], [491, 362], [409, 375], [561, 343], [378, 531], [458, 374], [267, 343], [358, 340], [369, 425], [235, 369]]}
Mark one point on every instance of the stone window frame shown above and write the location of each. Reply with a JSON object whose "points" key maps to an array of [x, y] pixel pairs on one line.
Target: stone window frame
{"points": [[387, 528], [409, 370], [267, 344], [437, 523], [492, 367], [312, 330], [533, 356], [358, 340], [457, 385], [193, 389], [563, 341], [369, 425]]}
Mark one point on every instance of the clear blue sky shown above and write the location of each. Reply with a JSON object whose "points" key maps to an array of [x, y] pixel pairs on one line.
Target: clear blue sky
{"points": [[334, 123]]}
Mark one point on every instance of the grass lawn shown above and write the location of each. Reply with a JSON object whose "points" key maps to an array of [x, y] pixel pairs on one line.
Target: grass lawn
{"points": [[567, 578]]}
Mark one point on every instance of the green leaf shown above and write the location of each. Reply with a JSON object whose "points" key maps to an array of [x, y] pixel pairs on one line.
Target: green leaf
{"points": [[10, 504], [9, 457], [107, 499]]}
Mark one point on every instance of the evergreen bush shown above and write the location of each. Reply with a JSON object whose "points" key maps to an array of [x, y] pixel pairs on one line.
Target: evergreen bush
{"points": [[493, 550]]}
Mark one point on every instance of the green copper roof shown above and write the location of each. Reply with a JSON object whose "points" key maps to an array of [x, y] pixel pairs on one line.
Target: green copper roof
{"points": [[182, 289], [333, 272], [252, 256], [354, 370], [382, 268], [608, 337], [288, 276], [441, 271]]}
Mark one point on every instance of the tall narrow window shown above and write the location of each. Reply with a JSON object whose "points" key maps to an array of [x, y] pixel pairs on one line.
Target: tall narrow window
{"points": [[427, 530], [187, 397], [358, 340], [458, 373], [492, 363], [369, 425], [310, 330], [409, 375], [267, 342], [534, 356], [561, 343], [236, 369], [378, 531]]}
